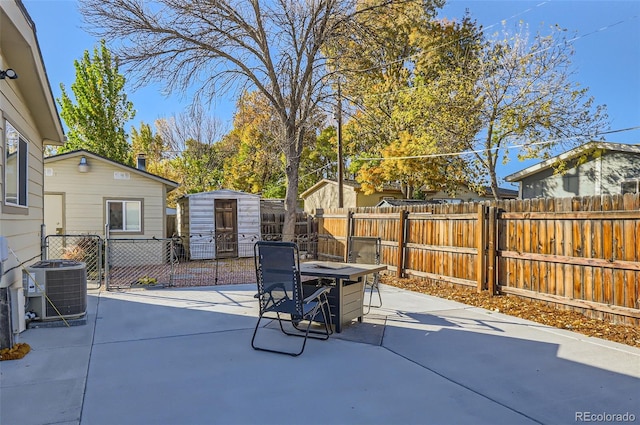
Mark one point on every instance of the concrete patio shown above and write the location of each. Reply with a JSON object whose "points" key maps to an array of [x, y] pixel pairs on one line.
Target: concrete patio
{"points": [[183, 356]]}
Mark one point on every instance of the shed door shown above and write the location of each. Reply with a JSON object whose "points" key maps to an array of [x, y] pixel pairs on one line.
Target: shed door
{"points": [[226, 219]]}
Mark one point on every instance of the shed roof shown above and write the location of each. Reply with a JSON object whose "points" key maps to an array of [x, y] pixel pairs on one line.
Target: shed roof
{"points": [[220, 193]]}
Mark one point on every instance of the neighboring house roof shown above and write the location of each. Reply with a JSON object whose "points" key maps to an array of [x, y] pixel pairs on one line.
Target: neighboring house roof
{"points": [[405, 202], [81, 152], [571, 154], [503, 193], [21, 52], [350, 183]]}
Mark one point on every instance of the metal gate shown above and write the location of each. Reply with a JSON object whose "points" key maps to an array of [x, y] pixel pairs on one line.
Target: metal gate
{"points": [[86, 248], [139, 262]]}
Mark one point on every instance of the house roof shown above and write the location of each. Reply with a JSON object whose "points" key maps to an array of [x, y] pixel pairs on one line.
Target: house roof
{"points": [[81, 152], [570, 154], [405, 202], [21, 52], [351, 183], [503, 193]]}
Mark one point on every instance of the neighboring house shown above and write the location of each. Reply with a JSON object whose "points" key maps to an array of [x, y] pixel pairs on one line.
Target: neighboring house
{"points": [[28, 121], [595, 168], [86, 193], [464, 194], [324, 194], [219, 224]]}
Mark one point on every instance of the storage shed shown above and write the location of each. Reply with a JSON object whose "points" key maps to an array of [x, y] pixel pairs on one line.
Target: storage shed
{"points": [[219, 224]]}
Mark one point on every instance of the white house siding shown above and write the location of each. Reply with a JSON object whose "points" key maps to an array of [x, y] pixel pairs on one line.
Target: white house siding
{"points": [[600, 176], [617, 167], [21, 226], [197, 221], [27, 104]]}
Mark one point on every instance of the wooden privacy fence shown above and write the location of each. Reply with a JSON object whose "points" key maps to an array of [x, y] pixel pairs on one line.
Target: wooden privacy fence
{"points": [[582, 253]]}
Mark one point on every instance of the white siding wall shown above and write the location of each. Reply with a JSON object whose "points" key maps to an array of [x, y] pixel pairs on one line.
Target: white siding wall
{"points": [[21, 230]]}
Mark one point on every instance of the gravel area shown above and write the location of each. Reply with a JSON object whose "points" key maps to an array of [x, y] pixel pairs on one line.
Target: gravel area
{"points": [[536, 311]]}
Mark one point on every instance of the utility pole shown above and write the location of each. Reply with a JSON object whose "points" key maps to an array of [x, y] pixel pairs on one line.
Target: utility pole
{"points": [[340, 171]]}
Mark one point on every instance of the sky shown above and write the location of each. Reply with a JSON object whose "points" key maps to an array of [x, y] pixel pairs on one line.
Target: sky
{"points": [[606, 41]]}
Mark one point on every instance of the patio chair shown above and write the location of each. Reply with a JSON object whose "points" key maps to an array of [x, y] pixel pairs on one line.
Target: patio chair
{"points": [[280, 292], [366, 250]]}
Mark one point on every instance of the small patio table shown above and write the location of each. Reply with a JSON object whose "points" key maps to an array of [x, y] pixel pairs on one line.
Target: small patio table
{"points": [[345, 297]]}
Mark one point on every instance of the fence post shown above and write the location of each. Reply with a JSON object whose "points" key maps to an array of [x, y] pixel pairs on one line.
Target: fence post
{"points": [[491, 251], [401, 233], [481, 240], [348, 233], [107, 258]]}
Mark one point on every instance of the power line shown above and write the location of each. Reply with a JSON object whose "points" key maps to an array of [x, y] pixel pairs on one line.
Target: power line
{"points": [[569, 41], [517, 146], [400, 60]]}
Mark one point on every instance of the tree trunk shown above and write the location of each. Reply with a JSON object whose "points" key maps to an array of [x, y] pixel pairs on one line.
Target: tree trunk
{"points": [[291, 195], [494, 185]]}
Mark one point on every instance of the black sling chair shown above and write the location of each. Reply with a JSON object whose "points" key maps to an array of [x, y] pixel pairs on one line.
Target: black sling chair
{"points": [[280, 292]]}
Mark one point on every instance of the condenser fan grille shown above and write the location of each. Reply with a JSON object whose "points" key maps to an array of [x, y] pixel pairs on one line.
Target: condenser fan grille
{"points": [[67, 291]]}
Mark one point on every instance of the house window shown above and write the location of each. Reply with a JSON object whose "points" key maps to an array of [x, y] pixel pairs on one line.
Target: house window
{"points": [[124, 216], [15, 171], [630, 186]]}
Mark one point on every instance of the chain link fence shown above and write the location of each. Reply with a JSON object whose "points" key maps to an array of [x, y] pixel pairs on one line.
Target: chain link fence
{"points": [[88, 249], [138, 262], [122, 263]]}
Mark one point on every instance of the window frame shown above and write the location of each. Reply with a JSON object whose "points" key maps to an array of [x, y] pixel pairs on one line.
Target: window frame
{"points": [[123, 202], [627, 181], [21, 204]]}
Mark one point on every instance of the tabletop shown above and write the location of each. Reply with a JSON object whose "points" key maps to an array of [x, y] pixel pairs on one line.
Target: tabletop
{"points": [[337, 270]]}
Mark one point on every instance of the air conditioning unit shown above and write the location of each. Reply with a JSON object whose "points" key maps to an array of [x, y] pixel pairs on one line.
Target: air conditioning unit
{"points": [[56, 289]]}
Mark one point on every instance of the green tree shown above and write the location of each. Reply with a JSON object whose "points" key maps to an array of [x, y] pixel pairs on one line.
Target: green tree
{"points": [[193, 154], [96, 120], [528, 102], [159, 157], [272, 47], [145, 141], [320, 159], [197, 168], [412, 87], [256, 163]]}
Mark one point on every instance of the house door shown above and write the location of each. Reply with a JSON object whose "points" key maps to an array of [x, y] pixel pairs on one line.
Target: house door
{"points": [[54, 213], [226, 221]]}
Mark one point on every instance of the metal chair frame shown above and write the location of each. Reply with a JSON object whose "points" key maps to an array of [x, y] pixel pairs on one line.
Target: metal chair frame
{"points": [[280, 292]]}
